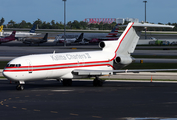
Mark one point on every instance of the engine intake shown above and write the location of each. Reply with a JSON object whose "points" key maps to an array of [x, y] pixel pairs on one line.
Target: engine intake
{"points": [[124, 60], [102, 44]]}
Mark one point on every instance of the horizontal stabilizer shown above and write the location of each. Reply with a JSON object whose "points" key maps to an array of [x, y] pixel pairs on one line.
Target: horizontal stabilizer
{"points": [[148, 25], [151, 25]]}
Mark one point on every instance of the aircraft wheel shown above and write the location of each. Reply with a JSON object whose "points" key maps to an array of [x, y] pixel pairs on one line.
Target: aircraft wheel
{"points": [[100, 83], [67, 82], [97, 82], [64, 83], [19, 87]]}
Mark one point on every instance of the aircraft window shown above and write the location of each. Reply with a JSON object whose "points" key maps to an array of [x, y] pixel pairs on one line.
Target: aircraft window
{"points": [[7, 65], [18, 65], [12, 65]]}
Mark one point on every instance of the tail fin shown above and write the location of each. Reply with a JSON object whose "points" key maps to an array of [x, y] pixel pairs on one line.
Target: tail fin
{"points": [[33, 29], [128, 40], [12, 35], [1, 28], [79, 39], [114, 31], [45, 37]]}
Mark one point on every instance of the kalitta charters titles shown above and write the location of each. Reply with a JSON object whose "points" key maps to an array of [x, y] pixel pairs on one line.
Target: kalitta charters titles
{"points": [[70, 56]]}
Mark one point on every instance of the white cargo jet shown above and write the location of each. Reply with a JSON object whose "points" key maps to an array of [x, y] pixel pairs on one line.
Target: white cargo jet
{"points": [[74, 65]]}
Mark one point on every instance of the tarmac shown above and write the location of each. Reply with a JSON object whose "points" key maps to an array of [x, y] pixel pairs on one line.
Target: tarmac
{"points": [[126, 100], [126, 96]]}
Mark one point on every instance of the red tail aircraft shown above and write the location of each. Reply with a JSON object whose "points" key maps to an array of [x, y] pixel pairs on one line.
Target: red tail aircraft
{"points": [[111, 36], [8, 38]]}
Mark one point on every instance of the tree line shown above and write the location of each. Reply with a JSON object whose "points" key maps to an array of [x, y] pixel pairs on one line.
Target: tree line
{"points": [[73, 25]]}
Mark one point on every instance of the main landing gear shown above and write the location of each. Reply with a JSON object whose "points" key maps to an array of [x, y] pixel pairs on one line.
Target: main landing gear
{"points": [[67, 82], [97, 82]]}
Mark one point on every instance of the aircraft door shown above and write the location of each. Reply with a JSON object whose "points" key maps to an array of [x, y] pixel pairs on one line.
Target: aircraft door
{"points": [[30, 67]]}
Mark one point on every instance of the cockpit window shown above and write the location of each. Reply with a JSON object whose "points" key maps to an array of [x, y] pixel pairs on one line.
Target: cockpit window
{"points": [[13, 65], [18, 65]]}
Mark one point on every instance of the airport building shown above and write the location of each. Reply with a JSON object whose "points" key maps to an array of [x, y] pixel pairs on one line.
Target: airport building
{"points": [[109, 20], [122, 20]]}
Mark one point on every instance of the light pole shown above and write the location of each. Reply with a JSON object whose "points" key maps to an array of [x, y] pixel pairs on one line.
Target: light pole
{"points": [[64, 23], [145, 17]]}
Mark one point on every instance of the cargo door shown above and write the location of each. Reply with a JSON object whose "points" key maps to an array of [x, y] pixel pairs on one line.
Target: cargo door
{"points": [[30, 67]]}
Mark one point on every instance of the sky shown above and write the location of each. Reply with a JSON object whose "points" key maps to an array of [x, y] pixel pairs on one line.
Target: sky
{"points": [[162, 11]]}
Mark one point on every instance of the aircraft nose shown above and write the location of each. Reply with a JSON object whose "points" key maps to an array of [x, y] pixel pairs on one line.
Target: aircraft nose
{"points": [[7, 75]]}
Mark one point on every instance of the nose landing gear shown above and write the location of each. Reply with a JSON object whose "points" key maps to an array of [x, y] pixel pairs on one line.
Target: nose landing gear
{"points": [[20, 86]]}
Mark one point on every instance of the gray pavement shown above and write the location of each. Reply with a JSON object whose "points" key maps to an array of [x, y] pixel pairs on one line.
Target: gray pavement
{"points": [[123, 99], [153, 60], [48, 99]]}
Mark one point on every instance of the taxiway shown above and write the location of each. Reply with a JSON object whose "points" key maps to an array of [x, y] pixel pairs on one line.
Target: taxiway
{"points": [[122, 99], [115, 100]]}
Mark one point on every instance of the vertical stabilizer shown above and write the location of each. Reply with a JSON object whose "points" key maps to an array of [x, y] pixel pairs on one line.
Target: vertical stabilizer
{"points": [[131, 35], [45, 37], [12, 35], [1, 28], [79, 39], [33, 29], [128, 40], [114, 31]]}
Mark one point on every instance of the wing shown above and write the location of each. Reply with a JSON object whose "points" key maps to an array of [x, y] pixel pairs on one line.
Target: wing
{"points": [[81, 72]]}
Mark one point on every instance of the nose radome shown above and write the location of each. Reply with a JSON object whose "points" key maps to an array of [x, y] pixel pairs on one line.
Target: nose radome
{"points": [[4, 73], [7, 75]]}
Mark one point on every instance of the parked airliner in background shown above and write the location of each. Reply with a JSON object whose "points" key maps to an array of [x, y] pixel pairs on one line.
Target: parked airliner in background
{"points": [[1, 28], [8, 39], [38, 41], [69, 40], [113, 35], [1, 31], [89, 37], [21, 35], [74, 65]]}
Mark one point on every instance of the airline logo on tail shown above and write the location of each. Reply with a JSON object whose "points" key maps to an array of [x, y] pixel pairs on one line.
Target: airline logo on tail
{"points": [[33, 29], [114, 31], [1, 28], [12, 35]]}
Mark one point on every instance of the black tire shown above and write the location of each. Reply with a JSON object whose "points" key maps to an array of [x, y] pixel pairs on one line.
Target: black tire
{"points": [[67, 82], [97, 82], [19, 87]]}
